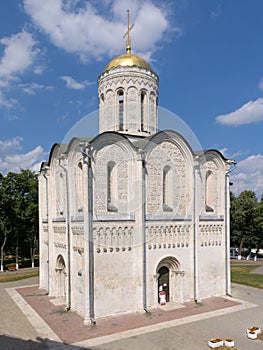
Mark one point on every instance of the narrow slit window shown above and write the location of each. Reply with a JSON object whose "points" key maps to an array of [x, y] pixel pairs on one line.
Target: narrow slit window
{"points": [[121, 110], [143, 107], [111, 186], [79, 189], [209, 192], [167, 189]]}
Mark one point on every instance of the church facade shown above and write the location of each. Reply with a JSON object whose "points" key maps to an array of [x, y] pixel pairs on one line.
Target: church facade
{"points": [[134, 211]]}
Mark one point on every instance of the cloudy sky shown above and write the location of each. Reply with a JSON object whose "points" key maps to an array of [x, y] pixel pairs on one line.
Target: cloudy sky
{"points": [[208, 55]]}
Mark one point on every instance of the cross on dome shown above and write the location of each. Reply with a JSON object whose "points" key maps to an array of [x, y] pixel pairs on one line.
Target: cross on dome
{"points": [[128, 43], [128, 59]]}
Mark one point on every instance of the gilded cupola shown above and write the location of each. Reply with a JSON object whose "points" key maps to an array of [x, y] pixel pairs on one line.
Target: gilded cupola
{"points": [[128, 94]]}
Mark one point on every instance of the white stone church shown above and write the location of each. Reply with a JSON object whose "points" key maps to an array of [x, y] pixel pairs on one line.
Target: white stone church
{"points": [[133, 211]]}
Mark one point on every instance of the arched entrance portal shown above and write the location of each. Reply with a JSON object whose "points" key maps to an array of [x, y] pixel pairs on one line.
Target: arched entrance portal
{"points": [[163, 282], [60, 277], [169, 279]]}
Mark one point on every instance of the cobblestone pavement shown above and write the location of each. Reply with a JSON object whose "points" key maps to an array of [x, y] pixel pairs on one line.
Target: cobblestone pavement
{"points": [[70, 328], [16, 332], [188, 327]]}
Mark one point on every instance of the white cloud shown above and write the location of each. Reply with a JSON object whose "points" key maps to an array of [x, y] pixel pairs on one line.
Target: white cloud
{"points": [[5, 102], [32, 88], [10, 145], [86, 31], [224, 152], [12, 159], [217, 11], [39, 69], [11, 117], [250, 112], [248, 175], [234, 155], [73, 84], [18, 55]]}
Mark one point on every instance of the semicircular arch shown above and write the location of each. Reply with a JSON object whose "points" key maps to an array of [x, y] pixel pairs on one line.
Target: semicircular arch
{"points": [[60, 263], [170, 262]]}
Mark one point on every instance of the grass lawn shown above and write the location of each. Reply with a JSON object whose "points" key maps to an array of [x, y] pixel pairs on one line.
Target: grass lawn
{"points": [[241, 274], [17, 276]]}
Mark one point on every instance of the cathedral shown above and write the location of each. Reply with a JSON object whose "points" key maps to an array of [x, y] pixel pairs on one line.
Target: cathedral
{"points": [[134, 217]]}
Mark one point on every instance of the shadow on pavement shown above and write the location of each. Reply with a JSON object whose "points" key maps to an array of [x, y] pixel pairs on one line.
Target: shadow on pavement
{"points": [[10, 343]]}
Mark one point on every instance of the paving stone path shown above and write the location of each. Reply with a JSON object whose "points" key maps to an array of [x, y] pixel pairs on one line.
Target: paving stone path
{"points": [[29, 321]]}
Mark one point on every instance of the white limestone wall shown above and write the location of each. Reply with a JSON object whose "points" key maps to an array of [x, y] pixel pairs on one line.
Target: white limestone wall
{"points": [[75, 170], [168, 243], [118, 288], [77, 267], [43, 233], [58, 246], [132, 81], [77, 281], [211, 259], [118, 236], [118, 268], [166, 151], [44, 257], [212, 194], [123, 183]]}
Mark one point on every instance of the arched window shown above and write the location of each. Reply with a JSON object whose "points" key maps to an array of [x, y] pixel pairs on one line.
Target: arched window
{"points": [[143, 110], [167, 189], [79, 188], [121, 109], [60, 195], [209, 192], [111, 186], [60, 269], [101, 107]]}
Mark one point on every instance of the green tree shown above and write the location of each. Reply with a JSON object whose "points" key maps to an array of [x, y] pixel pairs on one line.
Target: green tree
{"points": [[244, 216], [19, 213], [30, 212], [259, 224], [6, 217]]}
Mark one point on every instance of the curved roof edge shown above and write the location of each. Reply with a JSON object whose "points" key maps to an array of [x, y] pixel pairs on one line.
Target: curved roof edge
{"points": [[167, 132], [219, 153], [136, 142]]}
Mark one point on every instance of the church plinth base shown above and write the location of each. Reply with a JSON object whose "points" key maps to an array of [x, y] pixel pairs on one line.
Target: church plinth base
{"points": [[89, 322]]}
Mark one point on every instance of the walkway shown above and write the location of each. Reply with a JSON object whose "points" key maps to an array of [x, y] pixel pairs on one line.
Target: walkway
{"points": [[42, 325]]}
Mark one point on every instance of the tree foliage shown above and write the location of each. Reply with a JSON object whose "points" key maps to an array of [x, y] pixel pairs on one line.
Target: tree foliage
{"points": [[18, 215], [246, 220]]}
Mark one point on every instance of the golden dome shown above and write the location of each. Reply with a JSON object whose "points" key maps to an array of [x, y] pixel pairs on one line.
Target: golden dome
{"points": [[128, 59]]}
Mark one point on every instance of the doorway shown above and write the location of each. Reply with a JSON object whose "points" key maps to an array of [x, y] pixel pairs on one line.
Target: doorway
{"points": [[169, 278], [60, 277], [163, 282]]}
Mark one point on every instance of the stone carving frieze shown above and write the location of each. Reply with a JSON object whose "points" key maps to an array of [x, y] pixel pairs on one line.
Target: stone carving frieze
{"points": [[108, 239], [80, 250], [120, 81], [77, 230], [59, 229], [210, 235], [60, 245], [168, 236]]}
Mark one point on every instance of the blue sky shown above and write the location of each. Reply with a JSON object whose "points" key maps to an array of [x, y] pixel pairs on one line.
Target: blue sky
{"points": [[208, 55]]}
